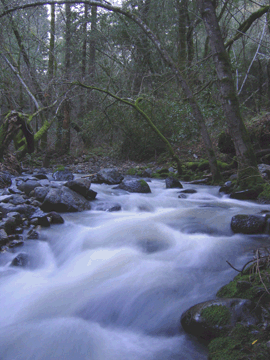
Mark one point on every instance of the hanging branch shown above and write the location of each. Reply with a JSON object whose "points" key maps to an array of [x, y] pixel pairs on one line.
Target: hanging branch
{"points": [[243, 28], [21, 81], [256, 53], [143, 114]]}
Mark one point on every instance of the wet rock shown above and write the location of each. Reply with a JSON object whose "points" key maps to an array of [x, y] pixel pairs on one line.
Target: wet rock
{"points": [[264, 169], [32, 235], [172, 183], [16, 215], [3, 237], [27, 186], [14, 190], [248, 224], [5, 179], [244, 195], [109, 176], [5, 198], [64, 200], [182, 196], [40, 193], [10, 225], [150, 246], [15, 243], [63, 175], [134, 186], [86, 181], [40, 176], [188, 191], [55, 218], [91, 195], [25, 210], [40, 218], [147, 173], [227, 187], [106, 206], [216, 318], [81, 189], [22, 260], [17, 200]]}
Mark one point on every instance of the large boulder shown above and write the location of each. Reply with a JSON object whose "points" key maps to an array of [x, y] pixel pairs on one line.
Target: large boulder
{"points": [[3, 237], [215, 318], [5, 179], [248, 224], [40, 193], [82, 189], [64, 200], [264, 170], [134, 186], [172, 183], [248, 194], [27, 186], [109, 176], [63, 175]]}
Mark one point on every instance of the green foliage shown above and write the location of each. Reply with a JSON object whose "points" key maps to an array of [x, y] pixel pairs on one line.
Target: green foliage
{"points": [[216, 315]]}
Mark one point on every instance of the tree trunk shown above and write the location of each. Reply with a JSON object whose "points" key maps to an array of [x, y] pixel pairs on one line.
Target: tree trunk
{"points": [[92, 53], [247, 165], [66, 105], [84, 55], [182, 7]]}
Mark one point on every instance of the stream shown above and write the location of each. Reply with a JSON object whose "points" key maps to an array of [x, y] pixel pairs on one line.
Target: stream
{"points": [[113, 285]]}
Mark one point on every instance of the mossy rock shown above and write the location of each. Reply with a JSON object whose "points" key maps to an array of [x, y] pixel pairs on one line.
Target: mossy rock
{"points": [[243, 343], [264, 195], [216, 315], [248, 286], [132, 171], [215, 318]]}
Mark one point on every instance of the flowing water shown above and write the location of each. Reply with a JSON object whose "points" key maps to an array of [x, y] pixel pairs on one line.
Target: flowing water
{"points": [[113, 285]]}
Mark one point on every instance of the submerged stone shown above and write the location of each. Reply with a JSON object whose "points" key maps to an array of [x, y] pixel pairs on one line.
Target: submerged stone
{"points": [[134, 186], [248, 224]]}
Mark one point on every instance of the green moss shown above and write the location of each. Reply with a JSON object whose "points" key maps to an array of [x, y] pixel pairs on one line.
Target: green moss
{"points": [[243, 343], [156, 175], [203, 165], [59, 168], [143, 182], [216, 315], [247, 286], [131, 171], [265, 194]]}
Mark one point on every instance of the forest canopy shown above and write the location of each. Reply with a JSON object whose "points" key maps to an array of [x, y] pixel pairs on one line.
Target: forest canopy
{"points": [[160, 52]]}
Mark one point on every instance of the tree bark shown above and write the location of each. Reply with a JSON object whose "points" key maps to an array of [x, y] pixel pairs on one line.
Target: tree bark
{"points": [[247, 165], [66, 105], [182, 8]]}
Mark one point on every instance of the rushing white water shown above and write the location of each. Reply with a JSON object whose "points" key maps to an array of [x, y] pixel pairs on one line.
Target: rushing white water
{"points": [[113, 285]]}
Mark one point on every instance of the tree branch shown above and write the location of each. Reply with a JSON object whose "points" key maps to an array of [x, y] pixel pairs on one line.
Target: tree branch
{"points": [[21, 81], [243, 28], [143, 114]]}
